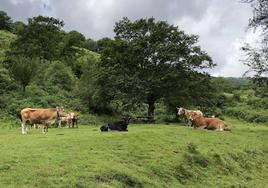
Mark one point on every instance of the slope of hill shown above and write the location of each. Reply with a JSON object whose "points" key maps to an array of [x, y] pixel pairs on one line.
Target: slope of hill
{"points": [[5, 39]]}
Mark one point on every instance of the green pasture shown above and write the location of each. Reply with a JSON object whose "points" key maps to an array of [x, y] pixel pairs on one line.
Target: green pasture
{"points": [[157, 155]]}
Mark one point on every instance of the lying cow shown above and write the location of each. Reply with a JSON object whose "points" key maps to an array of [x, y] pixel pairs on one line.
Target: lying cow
{"points": [[189, 114], [216, 124], [43, 116], [117, 126]]}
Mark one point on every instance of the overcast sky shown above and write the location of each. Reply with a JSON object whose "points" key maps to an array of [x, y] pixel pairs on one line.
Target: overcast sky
{"points": [[221, 24]]}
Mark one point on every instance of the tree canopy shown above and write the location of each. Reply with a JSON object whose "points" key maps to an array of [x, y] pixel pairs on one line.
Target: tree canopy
{"points": [[41, 38], [146, 57], [257, 58], [5, 21]]}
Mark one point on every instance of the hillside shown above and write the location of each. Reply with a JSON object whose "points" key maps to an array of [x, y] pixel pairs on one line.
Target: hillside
{"points": [[5, 39]]}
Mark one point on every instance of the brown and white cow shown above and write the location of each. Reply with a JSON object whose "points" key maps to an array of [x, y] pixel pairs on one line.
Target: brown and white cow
{"points": [[71, 118], [74, 119], [43, 116], [189, 114], [216, 124]]}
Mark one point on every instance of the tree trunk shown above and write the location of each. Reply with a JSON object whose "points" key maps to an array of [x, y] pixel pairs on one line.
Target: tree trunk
{"points": [[151, 108]]}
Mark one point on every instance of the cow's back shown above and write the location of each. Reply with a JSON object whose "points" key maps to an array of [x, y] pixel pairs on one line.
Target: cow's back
{"points": [[210, 123], [216, 124], [38, 115]]}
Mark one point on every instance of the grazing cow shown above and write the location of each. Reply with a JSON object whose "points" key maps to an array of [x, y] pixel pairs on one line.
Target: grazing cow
{"points": [[117, 126], [43, 116], [188, 114], [216, 124]]}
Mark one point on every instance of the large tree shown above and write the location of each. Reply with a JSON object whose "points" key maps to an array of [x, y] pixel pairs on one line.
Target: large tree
{"points": [[41, 38], [257, 56], [145, 58], [5, 21]]}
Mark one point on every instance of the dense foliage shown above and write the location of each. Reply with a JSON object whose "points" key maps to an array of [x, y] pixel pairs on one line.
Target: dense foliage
{"points": [[148, 69], [5, 21]]}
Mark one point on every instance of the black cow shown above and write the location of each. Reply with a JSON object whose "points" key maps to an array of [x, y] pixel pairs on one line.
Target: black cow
{"points": [[116, 126], [104, 128]]}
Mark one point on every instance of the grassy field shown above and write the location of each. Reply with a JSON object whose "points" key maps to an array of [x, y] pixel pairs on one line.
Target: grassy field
{"points": [[146, 156]]}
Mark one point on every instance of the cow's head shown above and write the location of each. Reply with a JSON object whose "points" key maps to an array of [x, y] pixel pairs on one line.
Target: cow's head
{"points": [[193, 116], [180, 111], [60, 111]]}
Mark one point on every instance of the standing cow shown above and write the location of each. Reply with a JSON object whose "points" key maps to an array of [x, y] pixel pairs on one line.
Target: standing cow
{"points": [[71, 118], [43, 116]]}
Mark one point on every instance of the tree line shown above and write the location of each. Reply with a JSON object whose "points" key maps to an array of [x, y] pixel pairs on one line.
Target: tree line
{"points": [[147, 62]]}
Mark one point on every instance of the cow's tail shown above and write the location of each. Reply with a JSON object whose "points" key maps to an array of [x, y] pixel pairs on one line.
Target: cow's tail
{"points": [[19, 115]]}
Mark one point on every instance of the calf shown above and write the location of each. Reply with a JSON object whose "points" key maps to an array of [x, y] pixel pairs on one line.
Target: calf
{"points": [[209, 123], [116, 126], [66, 120], [188, 114], [74, 119]]}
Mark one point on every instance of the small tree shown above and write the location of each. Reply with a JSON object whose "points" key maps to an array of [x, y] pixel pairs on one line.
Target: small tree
{"points": [[89, 87], [23, 69], [257, 58], [18, 27], [59, 75], [5, 21]]}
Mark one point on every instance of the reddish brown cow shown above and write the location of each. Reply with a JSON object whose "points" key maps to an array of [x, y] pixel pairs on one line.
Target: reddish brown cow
{"points": [[43, 116], [209, 123]]}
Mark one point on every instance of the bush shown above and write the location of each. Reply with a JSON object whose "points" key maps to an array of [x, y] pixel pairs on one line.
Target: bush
{"points": [[246, 114]]}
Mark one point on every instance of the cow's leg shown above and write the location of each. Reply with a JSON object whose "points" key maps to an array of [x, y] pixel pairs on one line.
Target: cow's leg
{"points": [[23, 130], [200, 127], [45, 127], [26, 128], [59, 124]]}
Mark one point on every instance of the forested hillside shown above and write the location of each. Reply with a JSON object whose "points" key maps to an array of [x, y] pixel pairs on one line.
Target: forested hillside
{"points": [[141, 72]]}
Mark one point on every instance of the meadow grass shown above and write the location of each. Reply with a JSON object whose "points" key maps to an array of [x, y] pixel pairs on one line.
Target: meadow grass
{"points": [[147, 156]]}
